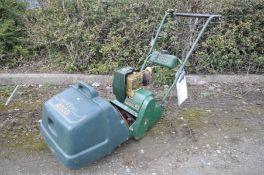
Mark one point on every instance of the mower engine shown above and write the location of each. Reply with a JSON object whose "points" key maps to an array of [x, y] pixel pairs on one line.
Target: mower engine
{"points": [[137, 105]]}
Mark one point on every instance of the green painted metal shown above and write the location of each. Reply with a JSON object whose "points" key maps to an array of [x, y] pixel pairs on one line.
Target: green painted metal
{"points": [[165, 60], [124, 107], [149, 113], [119, 83], [136, 101], [144, 108]]}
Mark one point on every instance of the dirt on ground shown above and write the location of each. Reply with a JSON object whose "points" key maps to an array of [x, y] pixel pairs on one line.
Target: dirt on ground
{"points": [[218, 130]]}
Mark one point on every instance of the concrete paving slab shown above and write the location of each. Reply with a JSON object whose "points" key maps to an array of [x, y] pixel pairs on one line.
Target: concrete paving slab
{"points": [[66, 79]]}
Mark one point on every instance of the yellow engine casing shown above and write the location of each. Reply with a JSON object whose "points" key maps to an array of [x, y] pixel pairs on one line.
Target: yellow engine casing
{"points": [[133, 82]]}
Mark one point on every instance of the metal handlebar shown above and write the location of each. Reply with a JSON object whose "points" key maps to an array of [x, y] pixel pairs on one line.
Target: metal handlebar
{"points": [[197, 15], [171, 13]]}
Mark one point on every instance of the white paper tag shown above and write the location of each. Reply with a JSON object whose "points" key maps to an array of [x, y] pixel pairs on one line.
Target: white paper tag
{"points": [[181, 86]]}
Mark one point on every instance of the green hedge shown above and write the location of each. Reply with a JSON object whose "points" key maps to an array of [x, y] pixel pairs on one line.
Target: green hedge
{"points": [[13, 33], [237, 44], [99, 36]]}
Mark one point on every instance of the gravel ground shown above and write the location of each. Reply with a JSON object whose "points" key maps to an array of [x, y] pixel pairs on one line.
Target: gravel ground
{"points": [[219, 130]]}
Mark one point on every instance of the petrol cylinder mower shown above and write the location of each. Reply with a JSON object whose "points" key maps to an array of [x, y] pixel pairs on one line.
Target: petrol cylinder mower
{"points": [[81, 127]]}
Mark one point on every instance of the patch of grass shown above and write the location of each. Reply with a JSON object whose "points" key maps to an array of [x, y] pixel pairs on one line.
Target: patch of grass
{"points": [[206, 94], [28, 142], [17, 106], [5, 92], [194, 117], [160, 126]]}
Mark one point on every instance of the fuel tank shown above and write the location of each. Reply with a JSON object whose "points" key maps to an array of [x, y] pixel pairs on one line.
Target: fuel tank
{"points": [[81, 127]]}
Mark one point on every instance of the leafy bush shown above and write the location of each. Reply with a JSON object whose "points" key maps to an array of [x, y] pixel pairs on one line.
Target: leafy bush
{"points": [[12, 32], [236, 45], [100, 36], [88, 35]]}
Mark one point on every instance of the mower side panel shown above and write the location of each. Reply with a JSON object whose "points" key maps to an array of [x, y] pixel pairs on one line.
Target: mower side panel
{"points": [[148, 114], [77, 125]]}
